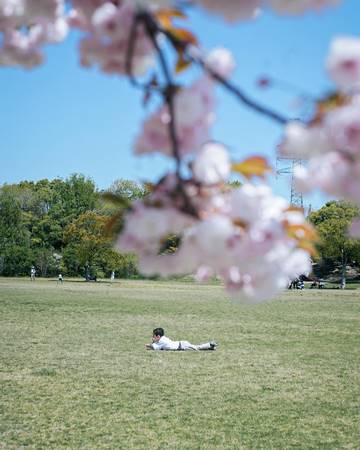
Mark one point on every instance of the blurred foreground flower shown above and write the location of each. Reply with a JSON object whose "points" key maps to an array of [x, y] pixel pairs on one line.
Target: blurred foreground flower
{"points": [[331, 141], [247, 236]]}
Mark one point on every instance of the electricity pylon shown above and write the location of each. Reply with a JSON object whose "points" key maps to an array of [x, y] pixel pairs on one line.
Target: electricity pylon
{"points": [[286, 166]]}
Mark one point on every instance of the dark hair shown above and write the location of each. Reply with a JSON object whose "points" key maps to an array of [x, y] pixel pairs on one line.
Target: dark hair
{"points": [[158, 332]]}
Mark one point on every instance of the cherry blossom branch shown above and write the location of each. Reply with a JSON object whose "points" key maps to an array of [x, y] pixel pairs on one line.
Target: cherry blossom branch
{"points": [[147, 86], [231, 87], [170, 90], [169, 93], [228, 85]]}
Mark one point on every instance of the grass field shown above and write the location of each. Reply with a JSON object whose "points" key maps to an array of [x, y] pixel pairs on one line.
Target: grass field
{"points": [[74, 372]]}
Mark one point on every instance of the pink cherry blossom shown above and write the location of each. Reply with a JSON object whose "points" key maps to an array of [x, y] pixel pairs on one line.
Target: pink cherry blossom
{"points": [[332, 145], [343, 62], [239, 235], [342, 127], [193, 117], [299, 6], [108, 29], [146, 227], [354, 230], [26, 27], [232, 10], [334, 173]]}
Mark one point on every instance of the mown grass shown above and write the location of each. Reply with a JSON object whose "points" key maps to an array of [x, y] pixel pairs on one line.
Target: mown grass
{"points": [[74, 372]]}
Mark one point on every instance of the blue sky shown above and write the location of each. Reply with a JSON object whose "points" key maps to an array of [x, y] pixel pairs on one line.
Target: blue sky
{"points": [[62, 119]]}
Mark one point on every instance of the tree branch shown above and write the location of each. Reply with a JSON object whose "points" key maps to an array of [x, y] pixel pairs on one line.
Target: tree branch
{"points": [[228, 85], [147, 86], [169, 93]]}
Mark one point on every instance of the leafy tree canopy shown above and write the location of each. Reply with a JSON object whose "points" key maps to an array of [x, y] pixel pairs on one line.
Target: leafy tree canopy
{"points": [[331, 222]]}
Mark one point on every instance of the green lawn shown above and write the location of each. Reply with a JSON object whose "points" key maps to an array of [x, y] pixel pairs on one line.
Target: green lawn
{"points": [[74, 372]]}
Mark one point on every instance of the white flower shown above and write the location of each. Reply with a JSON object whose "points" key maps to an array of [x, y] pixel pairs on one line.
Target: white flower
{"points": [[221, 61], [212, 164], [58, 30], [303, 141], [103, 17], [297, 263], [255, 203], [213, 234]]}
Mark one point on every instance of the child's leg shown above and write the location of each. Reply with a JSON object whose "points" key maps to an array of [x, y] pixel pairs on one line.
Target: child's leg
{"points": [[207, 346], [186, 345]]}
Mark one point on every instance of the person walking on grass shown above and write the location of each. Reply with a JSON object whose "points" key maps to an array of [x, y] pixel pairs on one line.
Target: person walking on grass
{"points": [[161, 342]]}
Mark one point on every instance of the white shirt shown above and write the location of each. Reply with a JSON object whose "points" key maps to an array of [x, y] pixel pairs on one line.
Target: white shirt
{"points": [[164, 343]]}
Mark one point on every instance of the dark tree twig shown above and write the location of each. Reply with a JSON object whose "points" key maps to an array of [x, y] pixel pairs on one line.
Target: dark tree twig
{"points": [[169, 93], [228, 85]]}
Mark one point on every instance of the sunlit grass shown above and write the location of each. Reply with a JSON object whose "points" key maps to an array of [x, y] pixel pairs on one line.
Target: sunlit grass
{"points": [[74, 372]]}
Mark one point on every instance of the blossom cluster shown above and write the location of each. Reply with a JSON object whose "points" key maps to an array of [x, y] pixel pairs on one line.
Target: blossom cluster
{"points": [[26, 26], [194, 114], [246, 235], [234, 10], [331, 141], [107, 30]]}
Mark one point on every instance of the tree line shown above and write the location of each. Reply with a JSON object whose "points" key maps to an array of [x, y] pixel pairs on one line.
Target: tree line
{"points": [[337, 252], [60, 226]]}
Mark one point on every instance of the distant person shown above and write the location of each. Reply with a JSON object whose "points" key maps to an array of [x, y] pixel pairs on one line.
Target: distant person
{"points": [[32, 273], [60, 278], [112, 276], [89, 277], [161, 342], [294, 284]]}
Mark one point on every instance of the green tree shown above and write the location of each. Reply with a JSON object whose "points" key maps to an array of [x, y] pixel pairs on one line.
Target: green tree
{"points": [[120, 196], [332, 222], [129, 189], [49, 206], [86, 236], [89, 248], [15, 253], [34, 215]]}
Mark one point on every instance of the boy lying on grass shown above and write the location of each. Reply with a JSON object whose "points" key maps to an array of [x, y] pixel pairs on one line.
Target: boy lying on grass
{"points": [[161, 342]]}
